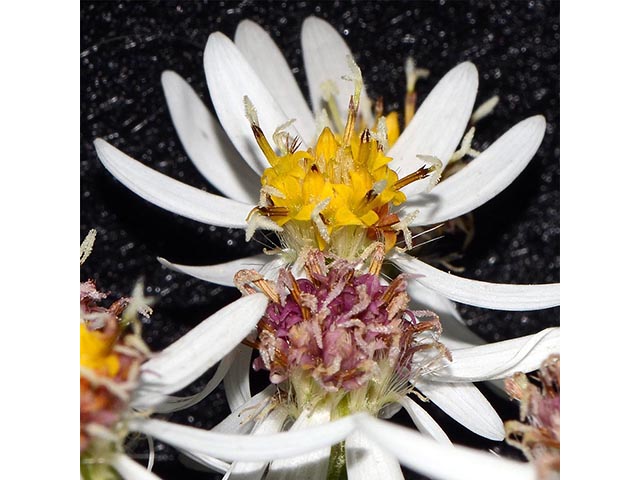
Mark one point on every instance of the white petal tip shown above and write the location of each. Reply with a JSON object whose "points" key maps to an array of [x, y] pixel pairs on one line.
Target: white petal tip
{"points": [[539, 121], [171, 80], [216, 38], [468, 67], [311, 21], [164, 262], [246, 23]]}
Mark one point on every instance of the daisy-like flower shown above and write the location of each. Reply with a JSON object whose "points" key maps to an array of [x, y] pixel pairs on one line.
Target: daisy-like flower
{"points": [[336, 343], [364, 366], [337, 191], [111, 352], [323, 185], [537, 433], [232, 158]]}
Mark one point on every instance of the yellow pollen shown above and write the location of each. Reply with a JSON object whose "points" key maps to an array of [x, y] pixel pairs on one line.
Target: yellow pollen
{"points": [[96, 352]]}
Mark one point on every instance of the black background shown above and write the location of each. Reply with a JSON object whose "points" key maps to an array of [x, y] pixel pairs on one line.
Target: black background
{"points": [[125, 46]]}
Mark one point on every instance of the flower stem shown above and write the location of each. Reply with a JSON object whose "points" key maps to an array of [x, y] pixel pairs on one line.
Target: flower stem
{"points": [[337, 463]]}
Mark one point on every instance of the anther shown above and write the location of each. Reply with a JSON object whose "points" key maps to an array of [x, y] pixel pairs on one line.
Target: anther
{"points": [[244, 278], [251, 344], [377, 258], [263, 143], [351, 122], [294, 288], [274, 211], [422, 172], [379, 107]]}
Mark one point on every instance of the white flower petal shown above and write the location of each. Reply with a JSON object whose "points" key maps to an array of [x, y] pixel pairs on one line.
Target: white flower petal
{"points": [[246, 447], [455, 333], [203, 463], [254, 470], [313, 464], [466, 405], [189, 357], [267, 60], [236, 382], [485, 177], [439, 461], [241, 420], [389, 410], [500, 359], [230, 78], [367, 461], [459, 337], [170, 194], [423, 421], [129, 469], [173, 404], [325, 59], [438, 125], [498, 296], [221, 273], [206, 143]]}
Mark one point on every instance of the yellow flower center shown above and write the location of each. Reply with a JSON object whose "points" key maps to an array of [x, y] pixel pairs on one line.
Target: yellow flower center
{"points": [[337, 195], [96, 352]]}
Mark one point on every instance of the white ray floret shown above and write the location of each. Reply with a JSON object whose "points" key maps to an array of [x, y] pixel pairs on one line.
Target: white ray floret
{"points": [[247, 447], [230, 78], [174, 403], [267, 60], [222, 273], [206, 143], [423, 421], [486, 176], [466, 405], [242, 420], [189, 357], [311, 465], [236, 382], [500, 360], [367, 461], [129, 469], [441, 461], [171, 194], [325, 56], [497, 296], [272, 423], [438, 125]]}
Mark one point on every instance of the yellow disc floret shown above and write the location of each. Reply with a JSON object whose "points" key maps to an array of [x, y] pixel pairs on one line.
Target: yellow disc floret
{"points": [[335, 196], [338, 195], [336, 188], [96, 351]]}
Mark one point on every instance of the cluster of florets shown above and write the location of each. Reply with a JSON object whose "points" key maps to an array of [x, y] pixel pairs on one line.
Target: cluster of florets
{"points": [[110, 358], [537, 433], [340, 327]]}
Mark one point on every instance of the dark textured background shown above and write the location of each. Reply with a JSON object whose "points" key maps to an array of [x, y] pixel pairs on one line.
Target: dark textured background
{"points": [[126, 46]]}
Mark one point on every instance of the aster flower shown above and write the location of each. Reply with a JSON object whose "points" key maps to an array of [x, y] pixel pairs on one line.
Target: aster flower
{"points": [[348, 229], [537, 434], [338, 191], [435, 130], [335, 343], [111, 353]]}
